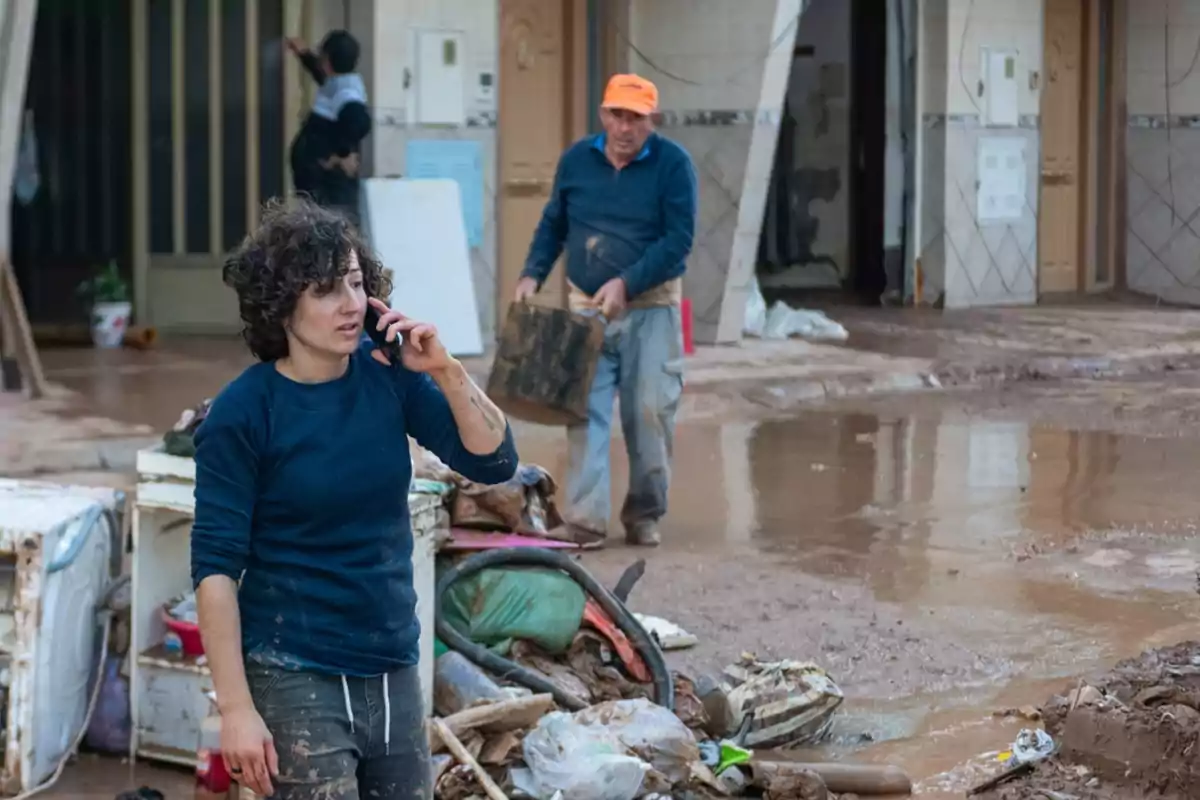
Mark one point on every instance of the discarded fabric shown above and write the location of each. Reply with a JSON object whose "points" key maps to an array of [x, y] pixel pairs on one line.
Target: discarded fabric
{"points": [[788, 703]]}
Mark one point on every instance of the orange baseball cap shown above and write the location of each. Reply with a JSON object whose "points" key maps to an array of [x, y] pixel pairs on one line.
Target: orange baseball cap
{"points": [[631, 93]]}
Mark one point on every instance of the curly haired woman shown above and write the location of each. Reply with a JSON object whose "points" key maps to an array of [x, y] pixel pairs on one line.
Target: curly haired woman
{"points": [[302, 543]]}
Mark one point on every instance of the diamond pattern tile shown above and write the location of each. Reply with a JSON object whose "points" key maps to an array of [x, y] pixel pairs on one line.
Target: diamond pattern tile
{"points": [[1163, 222], [975, 264]]}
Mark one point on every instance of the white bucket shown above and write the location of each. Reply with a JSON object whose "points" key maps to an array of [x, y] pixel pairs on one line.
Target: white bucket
{"points": [[109, 323]]}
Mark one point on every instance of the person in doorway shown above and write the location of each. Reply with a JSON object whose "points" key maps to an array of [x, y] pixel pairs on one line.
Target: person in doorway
{"points": [[623, 206], [326, 151], [304, 580]]}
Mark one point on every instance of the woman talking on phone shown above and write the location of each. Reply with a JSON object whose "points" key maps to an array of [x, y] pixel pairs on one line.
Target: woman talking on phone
{"points": [[302, 544]]}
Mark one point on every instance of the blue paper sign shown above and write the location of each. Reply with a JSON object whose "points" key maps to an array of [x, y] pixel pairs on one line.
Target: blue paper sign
{"points": [[458, 160]]}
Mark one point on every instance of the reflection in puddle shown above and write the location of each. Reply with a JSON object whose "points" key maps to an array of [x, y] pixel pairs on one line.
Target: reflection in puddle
{"points": [[1027, 554]]}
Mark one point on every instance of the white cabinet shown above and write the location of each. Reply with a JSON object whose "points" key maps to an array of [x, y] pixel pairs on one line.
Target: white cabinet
{"points": [[169, 692]]}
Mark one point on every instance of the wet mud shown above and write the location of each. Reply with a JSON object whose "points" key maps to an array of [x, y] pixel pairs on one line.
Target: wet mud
{"points": [[945, 563], [946, 556], [1132, 732]]}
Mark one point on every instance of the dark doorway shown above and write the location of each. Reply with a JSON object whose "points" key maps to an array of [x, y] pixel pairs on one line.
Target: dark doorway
{"points": [[78, 107], [823, 234], [868, 144]]}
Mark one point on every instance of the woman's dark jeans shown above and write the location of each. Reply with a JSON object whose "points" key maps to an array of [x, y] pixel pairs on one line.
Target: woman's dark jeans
{"points": [[332, 737]]}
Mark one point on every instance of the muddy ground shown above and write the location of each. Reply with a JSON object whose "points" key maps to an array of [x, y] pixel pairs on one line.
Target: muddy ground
{"points": [[1131, 732], [948, 556]]}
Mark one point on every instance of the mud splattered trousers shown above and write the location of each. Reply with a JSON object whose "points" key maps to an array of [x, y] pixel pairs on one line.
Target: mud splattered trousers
{"points": [[641, 366], [342, 738]]}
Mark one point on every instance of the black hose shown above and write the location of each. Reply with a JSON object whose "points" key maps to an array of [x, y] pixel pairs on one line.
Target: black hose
{"points": [[505, 669]]}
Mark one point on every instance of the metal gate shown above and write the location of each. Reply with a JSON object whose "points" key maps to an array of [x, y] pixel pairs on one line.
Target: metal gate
{"points": [[212, 117]]}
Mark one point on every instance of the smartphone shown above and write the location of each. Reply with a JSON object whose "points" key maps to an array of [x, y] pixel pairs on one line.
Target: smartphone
{"points": [[370, 324]]}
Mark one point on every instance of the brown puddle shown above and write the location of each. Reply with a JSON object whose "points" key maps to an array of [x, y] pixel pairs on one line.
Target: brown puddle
{"points": [[942, 569]]}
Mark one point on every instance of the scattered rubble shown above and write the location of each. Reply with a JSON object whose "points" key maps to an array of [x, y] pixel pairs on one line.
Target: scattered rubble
{"points": [[1132, 732]]}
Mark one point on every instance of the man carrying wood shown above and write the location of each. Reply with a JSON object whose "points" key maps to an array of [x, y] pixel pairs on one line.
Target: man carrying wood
{"points": [[623, 207]]}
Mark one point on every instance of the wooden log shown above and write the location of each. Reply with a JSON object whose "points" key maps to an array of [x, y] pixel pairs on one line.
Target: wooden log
{"points": [[545, 362], [507, 715], [464, 757], [860, 779]]}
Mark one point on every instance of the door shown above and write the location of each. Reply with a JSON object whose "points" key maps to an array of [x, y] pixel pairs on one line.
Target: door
{"points": [[532, 132], [211, 126], [543, 89], [76, 114], [440, 78], [1059, 204]]}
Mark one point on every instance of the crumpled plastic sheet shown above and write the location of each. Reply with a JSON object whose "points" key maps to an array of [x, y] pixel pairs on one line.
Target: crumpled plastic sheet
{"points": [[605, 752], [781, 321], [1032, 745]]}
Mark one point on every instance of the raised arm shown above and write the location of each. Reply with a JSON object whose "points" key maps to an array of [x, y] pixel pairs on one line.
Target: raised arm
{"points": [[308, 59], [443, 408], [452, 417]]}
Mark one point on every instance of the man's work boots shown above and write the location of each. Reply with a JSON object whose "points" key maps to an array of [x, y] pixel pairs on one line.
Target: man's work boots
{"points": [[643, 534]]}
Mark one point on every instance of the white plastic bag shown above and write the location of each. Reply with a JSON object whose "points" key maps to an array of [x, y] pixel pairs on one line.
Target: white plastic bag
{"points": [[650, 732], [783, 322], [584, 762], [604, 752], [756, 311], [1032, 745]]}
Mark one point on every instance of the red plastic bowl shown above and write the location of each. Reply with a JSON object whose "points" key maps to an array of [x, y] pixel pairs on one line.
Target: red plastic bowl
{"points": [[188, 632]]}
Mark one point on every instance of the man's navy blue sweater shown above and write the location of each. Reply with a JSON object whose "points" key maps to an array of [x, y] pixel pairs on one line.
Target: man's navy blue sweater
{"points": [[304, 488], [636, 223]]}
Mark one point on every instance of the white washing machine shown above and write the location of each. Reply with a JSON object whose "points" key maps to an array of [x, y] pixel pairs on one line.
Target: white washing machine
{"points": [[56, 563]]}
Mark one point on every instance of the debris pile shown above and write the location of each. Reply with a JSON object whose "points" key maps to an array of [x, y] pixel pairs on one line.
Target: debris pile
{"points": [[595, 714], [1133, 732], [547, 686]]}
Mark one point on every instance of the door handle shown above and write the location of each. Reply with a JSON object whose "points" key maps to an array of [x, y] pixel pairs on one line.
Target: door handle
{"points": [[526, 187], [1057, 178]]}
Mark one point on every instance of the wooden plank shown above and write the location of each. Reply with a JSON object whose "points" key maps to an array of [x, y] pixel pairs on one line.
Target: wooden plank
{"points": [[14, 325]]}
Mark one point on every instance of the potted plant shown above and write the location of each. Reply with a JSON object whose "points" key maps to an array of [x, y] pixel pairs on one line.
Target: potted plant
{"points": [[107, 295]]}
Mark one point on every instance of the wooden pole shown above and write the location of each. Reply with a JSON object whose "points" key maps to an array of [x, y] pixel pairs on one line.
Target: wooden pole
{"points": [[14, 326], [460, 752]]}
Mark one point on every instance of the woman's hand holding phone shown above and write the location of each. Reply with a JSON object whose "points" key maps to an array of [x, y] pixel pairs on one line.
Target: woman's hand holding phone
{"points": [[421, 350]]}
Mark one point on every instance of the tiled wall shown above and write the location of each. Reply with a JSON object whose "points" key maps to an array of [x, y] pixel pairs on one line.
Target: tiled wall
{"points": [[393, 87], [1162, 150], [962, 260], [721, 68]]}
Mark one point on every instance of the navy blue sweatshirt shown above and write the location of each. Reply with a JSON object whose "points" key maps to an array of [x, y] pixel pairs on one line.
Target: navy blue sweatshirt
{"points": [[304, 487], [636, 223]]}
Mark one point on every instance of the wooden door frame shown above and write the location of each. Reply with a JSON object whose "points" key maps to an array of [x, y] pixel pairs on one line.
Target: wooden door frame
{"points": [[574, 105], [1100, 124], [1101, 207]]}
